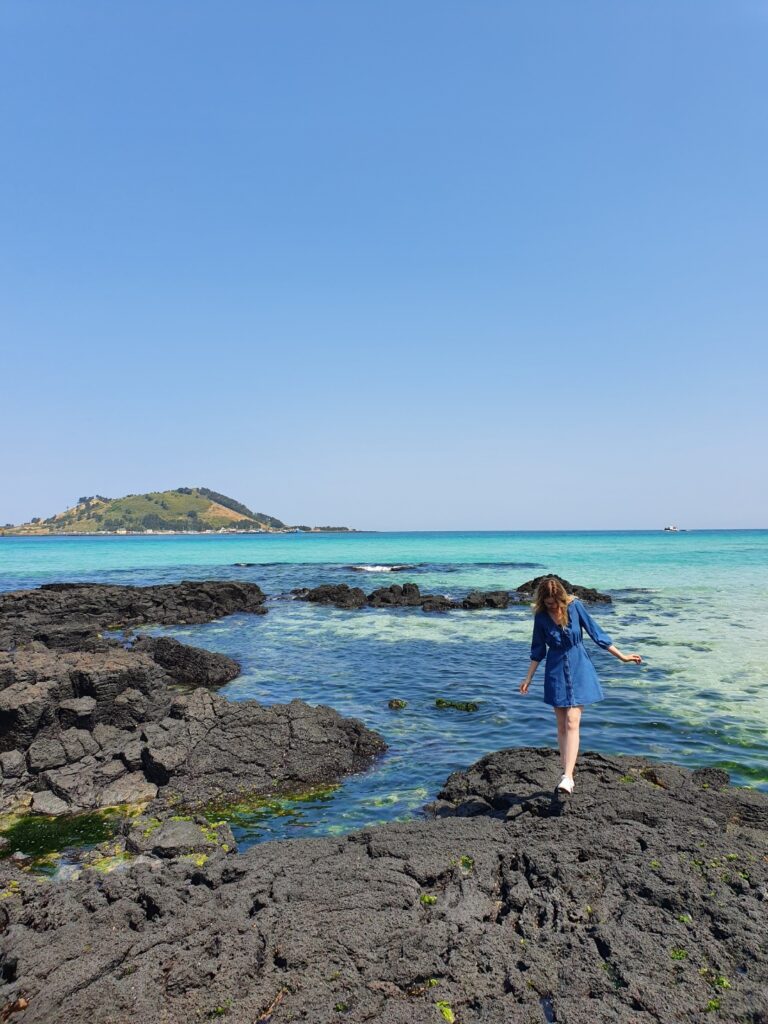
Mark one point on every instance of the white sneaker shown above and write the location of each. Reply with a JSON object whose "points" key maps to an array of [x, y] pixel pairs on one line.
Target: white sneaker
{"points": [[565, 784]]}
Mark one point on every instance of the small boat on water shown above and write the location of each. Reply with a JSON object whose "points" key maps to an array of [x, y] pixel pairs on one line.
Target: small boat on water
{"points": [[671, 529]]}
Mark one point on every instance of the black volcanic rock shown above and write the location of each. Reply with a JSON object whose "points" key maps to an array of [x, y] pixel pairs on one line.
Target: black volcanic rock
{"points": [[638, 900], [212, 749], [486, 599], [438, 603], [103, 728], [338, 594], [64, 615], [190, 666], [587, 594], [43, 692], [396, 596], [84, 729], [408, 595]]}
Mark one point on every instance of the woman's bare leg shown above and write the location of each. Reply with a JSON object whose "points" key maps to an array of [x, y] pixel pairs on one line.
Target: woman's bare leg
{"points": [[571, 746], [560, 715]]}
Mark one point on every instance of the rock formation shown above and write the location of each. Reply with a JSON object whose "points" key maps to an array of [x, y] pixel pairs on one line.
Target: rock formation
{"points": [[66, 614], [639, 900], [588, 594], [406, 595], [86, 723]]}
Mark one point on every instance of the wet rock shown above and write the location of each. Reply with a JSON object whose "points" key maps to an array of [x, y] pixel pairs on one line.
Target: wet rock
{"points": [[587, 594], [396, 704]]}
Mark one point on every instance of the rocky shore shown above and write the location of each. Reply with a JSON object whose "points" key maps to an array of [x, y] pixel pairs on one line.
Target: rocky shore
{"points": [[86, 723], [642, 898]]}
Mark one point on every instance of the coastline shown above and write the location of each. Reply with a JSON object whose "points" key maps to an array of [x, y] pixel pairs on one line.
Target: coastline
{"points": [[674, 602], [503, 900], [179, 533]]}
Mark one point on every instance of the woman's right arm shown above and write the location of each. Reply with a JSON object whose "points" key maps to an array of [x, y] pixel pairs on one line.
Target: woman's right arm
{"points": [[529, 678], [538, 653]]}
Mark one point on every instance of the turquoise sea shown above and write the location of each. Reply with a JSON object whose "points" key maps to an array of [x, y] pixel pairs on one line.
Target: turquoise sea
{"points": [[694, 604]]}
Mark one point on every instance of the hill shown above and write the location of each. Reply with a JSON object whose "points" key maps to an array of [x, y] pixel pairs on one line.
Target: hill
{"points": [[185, 509]]}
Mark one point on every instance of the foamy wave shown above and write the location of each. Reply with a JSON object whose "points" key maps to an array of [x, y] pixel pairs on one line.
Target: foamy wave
{"points": [[380, 568]]}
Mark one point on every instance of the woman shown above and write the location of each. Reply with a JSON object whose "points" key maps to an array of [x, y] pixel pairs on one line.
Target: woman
{"points": [[570, 680]]}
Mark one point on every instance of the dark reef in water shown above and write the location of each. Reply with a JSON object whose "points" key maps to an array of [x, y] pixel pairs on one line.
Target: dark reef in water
{"points": [[340, 595], [639, 899], [588, 594], [408, 595], [65, 615]]}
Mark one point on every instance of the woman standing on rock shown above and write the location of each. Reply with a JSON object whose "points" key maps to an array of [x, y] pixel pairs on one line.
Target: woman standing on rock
{"points": [[570, 680]]}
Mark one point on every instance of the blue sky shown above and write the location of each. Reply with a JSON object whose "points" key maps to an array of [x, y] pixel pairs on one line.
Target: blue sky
{"points": [[433, 265]]}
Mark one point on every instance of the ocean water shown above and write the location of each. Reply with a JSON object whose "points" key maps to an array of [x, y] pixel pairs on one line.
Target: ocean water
{"points": [[694, 605]]}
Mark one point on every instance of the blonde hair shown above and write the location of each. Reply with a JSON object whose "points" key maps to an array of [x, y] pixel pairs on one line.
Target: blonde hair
{"points": [[551, 587]]}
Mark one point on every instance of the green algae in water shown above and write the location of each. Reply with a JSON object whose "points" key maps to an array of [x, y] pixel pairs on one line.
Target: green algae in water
{"points": [[109, 863], [254, 814], [458, 705], [39, 836], [752, 774]]}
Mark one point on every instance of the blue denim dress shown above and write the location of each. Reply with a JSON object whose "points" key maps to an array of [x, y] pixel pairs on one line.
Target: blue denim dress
{"points": [[569, 675]]}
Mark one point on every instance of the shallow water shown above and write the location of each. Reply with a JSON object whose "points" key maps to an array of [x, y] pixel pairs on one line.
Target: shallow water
{"points": [[693, 604]]}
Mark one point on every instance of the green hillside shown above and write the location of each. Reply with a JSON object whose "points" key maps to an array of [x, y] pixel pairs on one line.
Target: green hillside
{"points": [[183, 509]]}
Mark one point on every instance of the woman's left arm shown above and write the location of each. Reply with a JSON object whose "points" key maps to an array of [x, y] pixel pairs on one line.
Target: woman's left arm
{"points": [[624, 657], [601, 638]]}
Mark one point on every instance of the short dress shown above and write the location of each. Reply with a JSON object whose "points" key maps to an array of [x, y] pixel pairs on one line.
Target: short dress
{"points": [[570, 679]]}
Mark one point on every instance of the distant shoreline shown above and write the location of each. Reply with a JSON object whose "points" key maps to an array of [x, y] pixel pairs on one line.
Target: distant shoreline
{"points": [[8, 535], [178, 533]]}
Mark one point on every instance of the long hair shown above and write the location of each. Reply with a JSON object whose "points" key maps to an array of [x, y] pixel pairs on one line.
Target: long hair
{"points": [[551, 587]]}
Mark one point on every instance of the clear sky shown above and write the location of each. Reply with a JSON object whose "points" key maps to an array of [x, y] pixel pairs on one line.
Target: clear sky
{"points": [[445, 264]]}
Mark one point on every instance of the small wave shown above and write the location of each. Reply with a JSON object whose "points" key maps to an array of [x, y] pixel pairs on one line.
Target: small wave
{"points": [[441, 566], [381, 568]]}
